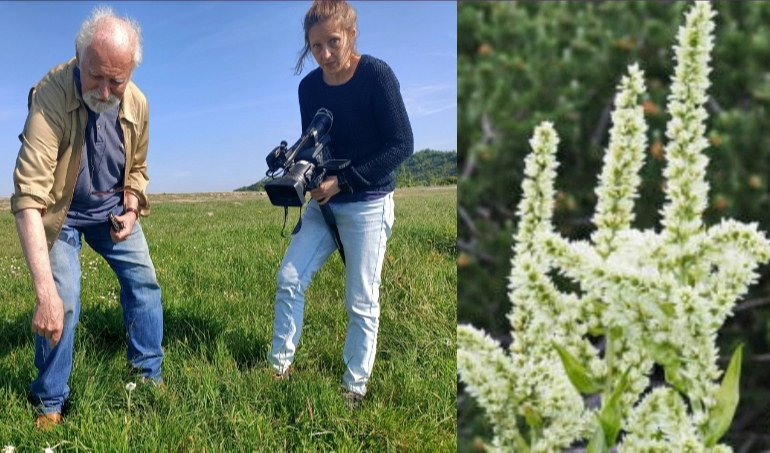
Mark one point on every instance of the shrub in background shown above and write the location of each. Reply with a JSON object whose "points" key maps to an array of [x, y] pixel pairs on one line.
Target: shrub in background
{"points": [[520, 63], [644, 297]]}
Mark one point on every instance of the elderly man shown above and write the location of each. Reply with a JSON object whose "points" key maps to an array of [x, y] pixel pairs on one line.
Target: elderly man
{"points": [[81, 173]]}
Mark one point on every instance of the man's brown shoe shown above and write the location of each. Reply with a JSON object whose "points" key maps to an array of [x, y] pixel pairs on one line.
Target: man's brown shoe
{"points": [[47, 422], [159, 384]]}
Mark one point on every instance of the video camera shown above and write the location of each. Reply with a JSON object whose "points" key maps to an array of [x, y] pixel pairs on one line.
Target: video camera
{"points": [[304, 166]]}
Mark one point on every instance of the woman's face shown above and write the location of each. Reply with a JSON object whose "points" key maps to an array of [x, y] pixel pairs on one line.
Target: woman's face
{"points": [[331, 47]]}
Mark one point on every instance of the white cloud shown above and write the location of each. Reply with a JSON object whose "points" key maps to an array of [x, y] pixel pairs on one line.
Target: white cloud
{"points": [[427, 100]]}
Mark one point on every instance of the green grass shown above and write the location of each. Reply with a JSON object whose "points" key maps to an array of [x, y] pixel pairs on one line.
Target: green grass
{"points": [[216, 256]]}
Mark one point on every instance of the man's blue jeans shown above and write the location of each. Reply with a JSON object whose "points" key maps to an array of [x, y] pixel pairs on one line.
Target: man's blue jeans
{"points": [[364, 230], [139, 298]]}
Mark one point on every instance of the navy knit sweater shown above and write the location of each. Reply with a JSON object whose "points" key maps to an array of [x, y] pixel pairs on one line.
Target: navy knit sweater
{"points": [[370, 127]]}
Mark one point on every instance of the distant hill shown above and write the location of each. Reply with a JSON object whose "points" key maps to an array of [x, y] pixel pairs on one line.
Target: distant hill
{"points": [[258, 186], [428, 168], [424, 168]]}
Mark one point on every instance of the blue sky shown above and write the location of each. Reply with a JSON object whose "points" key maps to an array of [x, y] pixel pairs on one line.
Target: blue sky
{"points": [[219, 78]]}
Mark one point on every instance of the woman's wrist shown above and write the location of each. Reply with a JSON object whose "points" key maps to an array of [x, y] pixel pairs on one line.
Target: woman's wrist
{"points": [[343, 184]]}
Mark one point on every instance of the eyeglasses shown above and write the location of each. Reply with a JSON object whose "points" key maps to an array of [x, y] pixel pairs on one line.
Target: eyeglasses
{"points": [[107, 192]]}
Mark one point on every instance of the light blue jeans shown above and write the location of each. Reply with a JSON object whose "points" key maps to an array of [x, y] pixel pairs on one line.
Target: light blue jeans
{"points": [[139, 297], [364, 229]]}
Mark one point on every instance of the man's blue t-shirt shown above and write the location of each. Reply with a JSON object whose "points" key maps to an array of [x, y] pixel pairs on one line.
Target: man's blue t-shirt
{"points": [[102, 168]]}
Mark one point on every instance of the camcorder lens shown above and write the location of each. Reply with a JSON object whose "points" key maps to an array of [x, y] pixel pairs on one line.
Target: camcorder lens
{"points": [[289, 189]]}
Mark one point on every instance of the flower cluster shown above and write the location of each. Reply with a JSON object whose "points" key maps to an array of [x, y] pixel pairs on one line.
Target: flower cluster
{"points": [[505, 382], [653, 297]]}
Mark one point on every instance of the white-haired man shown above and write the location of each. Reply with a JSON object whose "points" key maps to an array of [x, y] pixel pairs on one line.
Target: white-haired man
{"points": [[83, 160]]}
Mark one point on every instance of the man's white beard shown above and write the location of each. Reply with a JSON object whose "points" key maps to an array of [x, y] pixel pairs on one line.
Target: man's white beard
{"points": [[91, 98]]}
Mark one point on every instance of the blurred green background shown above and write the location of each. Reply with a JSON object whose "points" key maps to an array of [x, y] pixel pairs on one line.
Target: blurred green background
{"points": [[521, 63]]}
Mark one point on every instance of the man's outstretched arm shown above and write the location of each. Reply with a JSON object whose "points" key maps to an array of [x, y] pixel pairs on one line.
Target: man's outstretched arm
{"points": [[48, 319]]}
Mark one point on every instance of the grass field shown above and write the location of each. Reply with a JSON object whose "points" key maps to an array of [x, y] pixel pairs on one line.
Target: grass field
{"points": [[216, 256]]}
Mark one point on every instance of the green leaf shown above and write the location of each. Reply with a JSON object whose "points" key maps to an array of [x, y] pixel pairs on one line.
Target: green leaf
{"points": [[532, 417], [577, 373], [616, 332], [521, 435], [673, 378], [664, 354], [668, 309], [597, 444], [722, 413], [659, 311], [610, 416]]}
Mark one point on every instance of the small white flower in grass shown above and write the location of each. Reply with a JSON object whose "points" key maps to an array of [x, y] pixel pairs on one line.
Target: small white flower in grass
{"points": [[48, 450], [131, 386], [9, 449]]}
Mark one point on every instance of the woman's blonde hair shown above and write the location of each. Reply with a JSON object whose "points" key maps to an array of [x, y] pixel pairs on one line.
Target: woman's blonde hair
{"points": [[323, 10]]}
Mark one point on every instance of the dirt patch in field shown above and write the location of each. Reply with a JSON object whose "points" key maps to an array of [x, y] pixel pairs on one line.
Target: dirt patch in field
{"points": [[204, 196], [5, 203]]}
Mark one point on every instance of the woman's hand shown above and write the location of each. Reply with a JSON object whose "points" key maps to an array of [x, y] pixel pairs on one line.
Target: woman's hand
{"points": [[326, 190]]}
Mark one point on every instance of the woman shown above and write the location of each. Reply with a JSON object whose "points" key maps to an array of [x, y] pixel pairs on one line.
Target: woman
{"points": [[372, 130]]}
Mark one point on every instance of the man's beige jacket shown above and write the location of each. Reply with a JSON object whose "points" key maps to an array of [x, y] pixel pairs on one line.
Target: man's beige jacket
{"points": [[52, 144]]}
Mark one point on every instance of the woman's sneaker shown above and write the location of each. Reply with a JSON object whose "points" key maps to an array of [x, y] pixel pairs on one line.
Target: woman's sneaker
{"points": [[285, 376], [352, 399]]}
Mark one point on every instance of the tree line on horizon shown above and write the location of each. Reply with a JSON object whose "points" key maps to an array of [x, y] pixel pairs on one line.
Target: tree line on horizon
{"points": [[426, 167]]}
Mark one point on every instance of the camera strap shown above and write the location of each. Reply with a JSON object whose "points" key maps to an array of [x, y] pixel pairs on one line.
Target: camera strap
{"points": [[326, 210], [328, 215], [286, 218]]}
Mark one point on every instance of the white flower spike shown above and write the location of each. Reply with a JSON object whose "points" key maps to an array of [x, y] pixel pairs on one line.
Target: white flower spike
{"points": [[653, 297]]}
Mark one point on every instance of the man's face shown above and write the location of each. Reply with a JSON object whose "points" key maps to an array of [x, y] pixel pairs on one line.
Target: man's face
{"points": [[104, 74]]}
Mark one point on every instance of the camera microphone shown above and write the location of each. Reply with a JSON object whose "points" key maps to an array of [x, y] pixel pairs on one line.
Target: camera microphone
{"points": [[320, 124], [317, 129]]}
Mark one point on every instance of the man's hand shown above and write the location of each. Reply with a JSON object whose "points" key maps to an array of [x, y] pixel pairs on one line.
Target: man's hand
{"points": [[48, 320], [326, 190], [127, 220]]}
